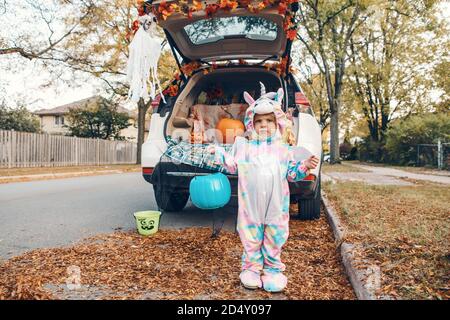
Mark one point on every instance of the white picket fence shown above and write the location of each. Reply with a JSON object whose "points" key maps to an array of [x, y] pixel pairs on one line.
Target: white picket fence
{"points": [[23, 149]]}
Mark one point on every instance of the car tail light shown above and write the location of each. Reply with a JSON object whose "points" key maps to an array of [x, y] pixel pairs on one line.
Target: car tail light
{"points": [[147, 170], [300, 98], [310, 177]]}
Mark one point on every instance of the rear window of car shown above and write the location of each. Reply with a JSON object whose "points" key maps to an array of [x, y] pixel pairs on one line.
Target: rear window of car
{"points": [[216, 29]]}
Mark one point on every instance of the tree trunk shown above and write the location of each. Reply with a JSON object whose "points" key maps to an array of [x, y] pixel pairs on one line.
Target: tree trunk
{"points": [[142, 111], [334, 133]]}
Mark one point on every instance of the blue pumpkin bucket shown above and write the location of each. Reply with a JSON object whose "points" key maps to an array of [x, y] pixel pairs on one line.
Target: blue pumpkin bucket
{"points": [[211, 191]]}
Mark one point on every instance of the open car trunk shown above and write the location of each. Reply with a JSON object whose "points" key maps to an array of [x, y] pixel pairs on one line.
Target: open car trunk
{"points": [[235, 34], [214, 96]]}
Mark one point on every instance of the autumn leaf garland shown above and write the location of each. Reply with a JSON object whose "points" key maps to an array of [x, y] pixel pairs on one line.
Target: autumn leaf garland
{"points": [[164, 9]]}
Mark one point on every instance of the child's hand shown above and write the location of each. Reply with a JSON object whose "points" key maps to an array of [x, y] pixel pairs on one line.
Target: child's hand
{"points": [[211, 149], [311, 162]]}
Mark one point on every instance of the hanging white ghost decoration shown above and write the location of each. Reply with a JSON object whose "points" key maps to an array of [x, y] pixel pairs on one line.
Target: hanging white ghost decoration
{"points": [[144, 53]]}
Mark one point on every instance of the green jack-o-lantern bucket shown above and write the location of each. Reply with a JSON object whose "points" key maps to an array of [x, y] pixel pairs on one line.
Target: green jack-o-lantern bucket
{"points": [[147, 222]]}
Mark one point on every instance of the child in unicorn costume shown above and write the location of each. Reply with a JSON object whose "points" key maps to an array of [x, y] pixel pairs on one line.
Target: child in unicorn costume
{"points": [[264, 164]]}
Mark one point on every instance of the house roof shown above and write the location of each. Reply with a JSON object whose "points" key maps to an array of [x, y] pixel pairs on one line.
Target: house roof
{"points": [[64, 109]]}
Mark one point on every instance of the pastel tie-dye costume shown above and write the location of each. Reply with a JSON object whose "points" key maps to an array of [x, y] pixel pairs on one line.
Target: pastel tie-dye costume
{"points": [[264, 167]]}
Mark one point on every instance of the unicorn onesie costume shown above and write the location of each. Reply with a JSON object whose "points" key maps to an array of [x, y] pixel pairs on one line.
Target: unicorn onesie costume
{"points": [[264, 166]]}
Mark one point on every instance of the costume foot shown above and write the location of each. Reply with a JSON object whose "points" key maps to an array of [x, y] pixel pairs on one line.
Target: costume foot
{"points": [[274, 281], [250, 279]]}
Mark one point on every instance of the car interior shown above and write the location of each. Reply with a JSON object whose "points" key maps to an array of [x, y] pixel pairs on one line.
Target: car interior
{"points": [[208, 98]]}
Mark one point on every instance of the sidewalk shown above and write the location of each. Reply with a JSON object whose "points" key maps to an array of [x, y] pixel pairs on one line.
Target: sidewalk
{"points": [[402, 174], [32, 174], [378, 175]]}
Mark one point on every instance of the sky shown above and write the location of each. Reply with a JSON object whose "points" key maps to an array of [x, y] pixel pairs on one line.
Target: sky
{"points": [[36, 88], [26, 82]]}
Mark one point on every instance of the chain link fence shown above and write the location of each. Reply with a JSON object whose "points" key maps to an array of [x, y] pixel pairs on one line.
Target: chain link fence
{"points": [[434, 155]]}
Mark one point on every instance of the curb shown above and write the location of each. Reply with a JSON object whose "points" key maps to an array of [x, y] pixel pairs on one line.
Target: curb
{"points": [[363, 281]]}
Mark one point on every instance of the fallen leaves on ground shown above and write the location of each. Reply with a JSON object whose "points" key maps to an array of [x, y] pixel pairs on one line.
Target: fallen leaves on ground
{"points": [[178, 264], [402, 229]]}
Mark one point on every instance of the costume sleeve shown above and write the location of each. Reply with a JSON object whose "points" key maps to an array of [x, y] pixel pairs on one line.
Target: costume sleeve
{"points": [[296, 170], [227, 160]]}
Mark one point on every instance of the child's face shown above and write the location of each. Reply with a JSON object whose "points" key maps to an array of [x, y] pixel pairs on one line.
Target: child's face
{"points": [[265, 124]]}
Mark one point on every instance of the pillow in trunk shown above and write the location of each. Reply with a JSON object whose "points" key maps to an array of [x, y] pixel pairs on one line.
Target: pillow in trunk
{"points": [[206, 117]]}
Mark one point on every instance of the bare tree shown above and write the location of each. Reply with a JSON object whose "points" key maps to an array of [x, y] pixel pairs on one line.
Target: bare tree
{"points": [[48, 48], [95, 43]]}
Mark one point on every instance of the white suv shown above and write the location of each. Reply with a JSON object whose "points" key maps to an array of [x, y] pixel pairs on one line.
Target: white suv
{"points": [[235, 48]]}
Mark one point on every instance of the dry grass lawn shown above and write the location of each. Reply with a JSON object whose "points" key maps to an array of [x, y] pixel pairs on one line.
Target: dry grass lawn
{"points": [[404, 229], [326, 168]]}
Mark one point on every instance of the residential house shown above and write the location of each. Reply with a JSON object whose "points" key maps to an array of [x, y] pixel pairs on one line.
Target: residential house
{"points": [[52, 120]]}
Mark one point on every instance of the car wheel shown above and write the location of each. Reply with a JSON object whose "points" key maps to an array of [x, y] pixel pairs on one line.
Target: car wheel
{"points": [[167, 200], [310, 209]]}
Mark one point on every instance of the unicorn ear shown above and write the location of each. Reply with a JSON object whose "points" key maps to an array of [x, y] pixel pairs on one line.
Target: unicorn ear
{"points": [[270, 95], [248, 98], [280, 95]]}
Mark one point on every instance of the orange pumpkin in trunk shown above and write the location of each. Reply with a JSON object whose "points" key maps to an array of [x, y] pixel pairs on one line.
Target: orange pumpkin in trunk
{"points": [[230, 129]]}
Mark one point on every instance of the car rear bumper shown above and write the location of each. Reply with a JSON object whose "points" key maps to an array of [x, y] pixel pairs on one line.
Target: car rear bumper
{"points": [[177, 177]]}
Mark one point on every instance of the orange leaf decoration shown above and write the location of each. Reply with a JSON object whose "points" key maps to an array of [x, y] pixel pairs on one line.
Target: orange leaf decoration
{"points": [[189, 68], [281, 69], [291, 34], [244, 3], [282, 8], [141, 11], [287, 23], [228, 5], [166, 10], [198, 5], [188, 7], [135, 25], [172, 90], [211, 9]]}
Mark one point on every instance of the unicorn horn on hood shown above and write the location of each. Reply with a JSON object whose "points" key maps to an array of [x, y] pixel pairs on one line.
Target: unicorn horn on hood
{"points": [[263, 89]]}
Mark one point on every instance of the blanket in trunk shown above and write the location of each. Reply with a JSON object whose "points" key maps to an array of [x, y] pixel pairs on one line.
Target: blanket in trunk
{"points": [[194, 154]]}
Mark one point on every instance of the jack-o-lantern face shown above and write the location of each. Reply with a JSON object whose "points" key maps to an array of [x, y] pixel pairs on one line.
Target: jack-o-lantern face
{"points": [[146, 224]]}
